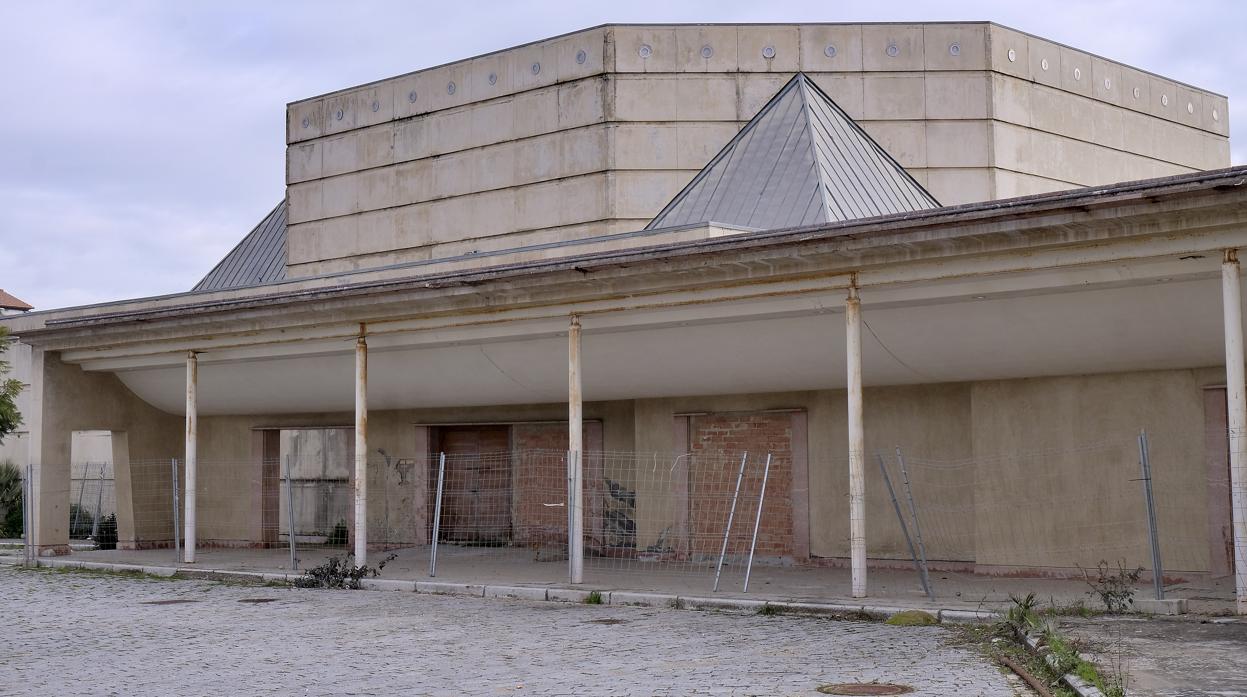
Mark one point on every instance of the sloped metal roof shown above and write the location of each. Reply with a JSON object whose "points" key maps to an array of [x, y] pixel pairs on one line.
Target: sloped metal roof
{"points": [[800, 161], [259, 259]]}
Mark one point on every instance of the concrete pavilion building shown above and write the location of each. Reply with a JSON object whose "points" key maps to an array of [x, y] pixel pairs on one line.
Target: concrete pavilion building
{"points": [[819, 241]]}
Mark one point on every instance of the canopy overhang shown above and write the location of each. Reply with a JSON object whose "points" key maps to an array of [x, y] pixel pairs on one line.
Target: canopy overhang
{"points": [[1104, 280]]}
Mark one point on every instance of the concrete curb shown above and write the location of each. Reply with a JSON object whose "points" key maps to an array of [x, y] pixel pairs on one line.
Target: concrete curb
{"points": [[545, 593], [1077, 684]]}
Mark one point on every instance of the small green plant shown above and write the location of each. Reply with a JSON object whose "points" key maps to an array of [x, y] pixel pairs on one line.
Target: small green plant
{"points": [[676, 603], [1114, 589], [594, 598], [769, 610], [912, 618], [340, 572], [338, 537]]}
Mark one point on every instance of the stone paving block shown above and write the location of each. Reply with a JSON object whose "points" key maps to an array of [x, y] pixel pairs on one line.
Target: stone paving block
{"points": [[729, 604], [640, 599], [387, 584], [443, 588], [570, 595], [1168, 606], [466, 646], [967, 616], [516, 592]]}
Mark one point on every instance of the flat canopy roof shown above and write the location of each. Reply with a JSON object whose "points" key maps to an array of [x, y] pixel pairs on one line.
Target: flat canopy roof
{"points": [[1109, 279]]}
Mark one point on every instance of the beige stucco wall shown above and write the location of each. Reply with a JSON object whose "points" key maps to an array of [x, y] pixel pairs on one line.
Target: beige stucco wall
{"points": [[1011, 476], [581, 135], [73, 400]]}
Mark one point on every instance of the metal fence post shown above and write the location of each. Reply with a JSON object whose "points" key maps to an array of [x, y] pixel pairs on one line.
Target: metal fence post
{"points": [[177, 516], [99, 505], [900, 517], [913, 514], [437, 513], [731, 514], [82, 485], [290, 532], [757, 521], [28, 517], [1158, 571]]}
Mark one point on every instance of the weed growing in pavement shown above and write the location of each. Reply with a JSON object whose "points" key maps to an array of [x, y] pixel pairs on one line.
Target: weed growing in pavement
{"points": [[594, 598], [1114, 589], [769, 610], [340, 572]]}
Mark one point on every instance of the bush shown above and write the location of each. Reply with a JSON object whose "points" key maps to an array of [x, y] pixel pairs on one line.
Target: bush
{"points": [[107, 537], [340, 572], [10, 500]]}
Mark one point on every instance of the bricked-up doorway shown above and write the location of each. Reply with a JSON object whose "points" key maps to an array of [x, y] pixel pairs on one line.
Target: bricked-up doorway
{"points": [[715, 441], [476, 505]]}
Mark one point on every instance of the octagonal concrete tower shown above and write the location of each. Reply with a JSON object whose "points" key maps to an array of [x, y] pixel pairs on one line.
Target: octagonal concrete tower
{"points": [[593, 132]]}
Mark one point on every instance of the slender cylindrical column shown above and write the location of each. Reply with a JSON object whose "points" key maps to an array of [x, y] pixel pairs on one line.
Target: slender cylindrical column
{"points": [[1236, 408], [857, 444], [575, 457], [361, 450], [192, 454]]}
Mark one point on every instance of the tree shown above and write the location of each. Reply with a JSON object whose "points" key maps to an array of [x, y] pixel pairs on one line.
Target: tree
{"points": [[10, 417]]}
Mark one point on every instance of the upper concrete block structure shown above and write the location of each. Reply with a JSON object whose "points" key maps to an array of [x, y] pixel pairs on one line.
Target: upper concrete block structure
{"points": [[594, 132]]}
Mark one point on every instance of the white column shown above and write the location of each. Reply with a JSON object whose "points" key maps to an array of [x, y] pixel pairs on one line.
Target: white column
{"points": [[575, 457], [361, 450], [857, 444], [1236, 403], [192, 455]]}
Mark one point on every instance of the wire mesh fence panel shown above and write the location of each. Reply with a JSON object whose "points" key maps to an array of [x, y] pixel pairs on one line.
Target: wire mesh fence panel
{"points": [[688, 514], [1060, 511]]}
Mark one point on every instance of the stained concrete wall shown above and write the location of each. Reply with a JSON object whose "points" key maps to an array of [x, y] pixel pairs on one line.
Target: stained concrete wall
{"points": [[230, 468], [1012, 476], [593, 132], [73, 400]]}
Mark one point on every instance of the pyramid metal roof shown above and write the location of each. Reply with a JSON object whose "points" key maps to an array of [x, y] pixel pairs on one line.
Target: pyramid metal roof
{"points": [[259, 259], [800, 161]]}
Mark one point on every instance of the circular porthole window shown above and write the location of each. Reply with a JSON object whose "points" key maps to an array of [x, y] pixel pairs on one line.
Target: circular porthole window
{"points": [[893, 50], [451, 88], [339, 114], [954, 49], [768, 52], [411, 96], [645, 51], [581, 56], [307, 122], [493, 78], [707, 52], [1043, 63], [830, 51], [1013, 56], [1077, 74]]}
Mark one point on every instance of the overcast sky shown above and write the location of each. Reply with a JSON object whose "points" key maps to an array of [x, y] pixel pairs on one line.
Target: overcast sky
{"points": [[141, 140]]}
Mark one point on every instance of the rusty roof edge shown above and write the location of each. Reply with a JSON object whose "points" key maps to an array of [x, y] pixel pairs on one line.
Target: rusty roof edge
{"points": [[961, 215]]}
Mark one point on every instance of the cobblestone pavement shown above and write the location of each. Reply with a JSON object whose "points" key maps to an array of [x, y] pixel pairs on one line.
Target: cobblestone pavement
{"points": [[79, 633]]}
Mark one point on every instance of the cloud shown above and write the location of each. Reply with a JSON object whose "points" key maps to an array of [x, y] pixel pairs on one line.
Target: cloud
{"points": [[142, 140]]}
